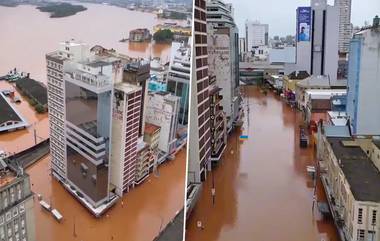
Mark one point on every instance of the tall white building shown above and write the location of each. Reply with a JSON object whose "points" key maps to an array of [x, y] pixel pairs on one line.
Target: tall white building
{"points": [[363, 81], [345, 27], [256, 34], [223, 57], [317, 39], [95, 121]]}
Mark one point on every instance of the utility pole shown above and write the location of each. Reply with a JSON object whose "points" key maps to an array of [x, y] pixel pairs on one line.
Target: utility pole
{"points": [[74, 231], [35, 136]]}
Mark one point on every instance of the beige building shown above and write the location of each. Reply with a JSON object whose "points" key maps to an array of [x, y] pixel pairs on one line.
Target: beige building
{"points": [[152, 138], [350, 174], [143, 159], [16, 209]]}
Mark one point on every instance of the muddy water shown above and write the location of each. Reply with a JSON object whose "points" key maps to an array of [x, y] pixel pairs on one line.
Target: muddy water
{"points": [[263, 192], [28, 34], [21, 139], [145, 210]]}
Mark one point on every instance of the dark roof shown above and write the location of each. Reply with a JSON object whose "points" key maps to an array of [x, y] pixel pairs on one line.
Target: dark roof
{"points": [[360, 172], [376, 142], [174, 230], [320, 104], [34, 89], [6, 111], [299, 75]]}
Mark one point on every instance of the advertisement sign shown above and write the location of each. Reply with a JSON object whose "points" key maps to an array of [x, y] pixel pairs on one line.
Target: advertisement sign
{"points": [[303, 23]]}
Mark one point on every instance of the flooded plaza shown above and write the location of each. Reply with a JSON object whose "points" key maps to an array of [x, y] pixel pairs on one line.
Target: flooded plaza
{"points": [[139, 216], [263, 191]]}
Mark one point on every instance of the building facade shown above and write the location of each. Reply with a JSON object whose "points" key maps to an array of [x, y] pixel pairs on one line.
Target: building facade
{"points": [[363, 81], [96, 100], [317, 39], [163, 111], [223, 57], [350, 175], [218, 123], [199, 151], [16, 210], [345, 27], [178, 79], [256, 34]]}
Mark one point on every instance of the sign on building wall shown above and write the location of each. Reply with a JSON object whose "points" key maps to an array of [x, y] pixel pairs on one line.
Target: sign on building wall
{"points": [[219, 56], [303, 23]]}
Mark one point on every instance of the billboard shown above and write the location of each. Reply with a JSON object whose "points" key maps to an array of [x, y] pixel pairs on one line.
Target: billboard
{"points": [[303, 23]]}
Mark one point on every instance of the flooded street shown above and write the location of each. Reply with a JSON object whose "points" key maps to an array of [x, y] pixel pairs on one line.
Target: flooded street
{"points": [[145, 211], [263, 192]]}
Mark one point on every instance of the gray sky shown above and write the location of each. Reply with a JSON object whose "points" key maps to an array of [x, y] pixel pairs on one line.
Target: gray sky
{"points": [[281, 14]]}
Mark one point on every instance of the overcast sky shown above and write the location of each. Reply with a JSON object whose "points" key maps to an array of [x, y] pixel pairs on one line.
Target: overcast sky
{"points": [[281, 14]]}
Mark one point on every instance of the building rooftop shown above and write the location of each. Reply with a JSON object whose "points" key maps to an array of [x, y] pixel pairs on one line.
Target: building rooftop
{"points": [[6, 111], [151, 128], [321, 81], [33, 88], [360, 172], [98, 63], [126, 87]]}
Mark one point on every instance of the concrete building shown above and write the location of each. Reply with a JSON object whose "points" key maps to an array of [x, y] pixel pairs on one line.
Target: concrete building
{"points": [[163, 111], [345, 27], [16, 209], [95, 102], [242, 48], [350, 175], [199, 140], [256, 34], [125, 133], [152, 138], [143, 161], [139, 35], [218, 122], [223, 57], [363, 81], [317, 39], [178, 79]]}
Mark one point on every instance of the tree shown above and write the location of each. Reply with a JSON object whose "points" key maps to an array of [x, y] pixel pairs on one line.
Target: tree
{"points": [[164, 35], [40, 108]]}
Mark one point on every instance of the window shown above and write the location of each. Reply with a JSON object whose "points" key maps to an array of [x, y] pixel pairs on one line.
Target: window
{"points": [[374, 213], [360, 235], [360, 216]]}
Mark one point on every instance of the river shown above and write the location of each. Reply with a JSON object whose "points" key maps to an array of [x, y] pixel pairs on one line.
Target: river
{"points": [[263, 192], [26, 34]]}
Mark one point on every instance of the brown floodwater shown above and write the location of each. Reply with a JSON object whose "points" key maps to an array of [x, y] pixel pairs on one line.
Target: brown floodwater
{"points": [[19, 140], [146, 210], [28, 34], [263, 191]]}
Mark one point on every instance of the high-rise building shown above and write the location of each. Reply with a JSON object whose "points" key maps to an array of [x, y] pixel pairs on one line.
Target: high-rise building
{"points": [[163, 110], [95, 100], [218, 123], [179, 78], [363, 81], [256, 34], [223, 57], [16, 209], [199, 151], [345, 27], [242, 48], [317, 39]]}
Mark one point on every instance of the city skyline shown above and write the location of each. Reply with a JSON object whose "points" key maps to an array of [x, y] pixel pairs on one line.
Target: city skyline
{"points": [[282, 19]]}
